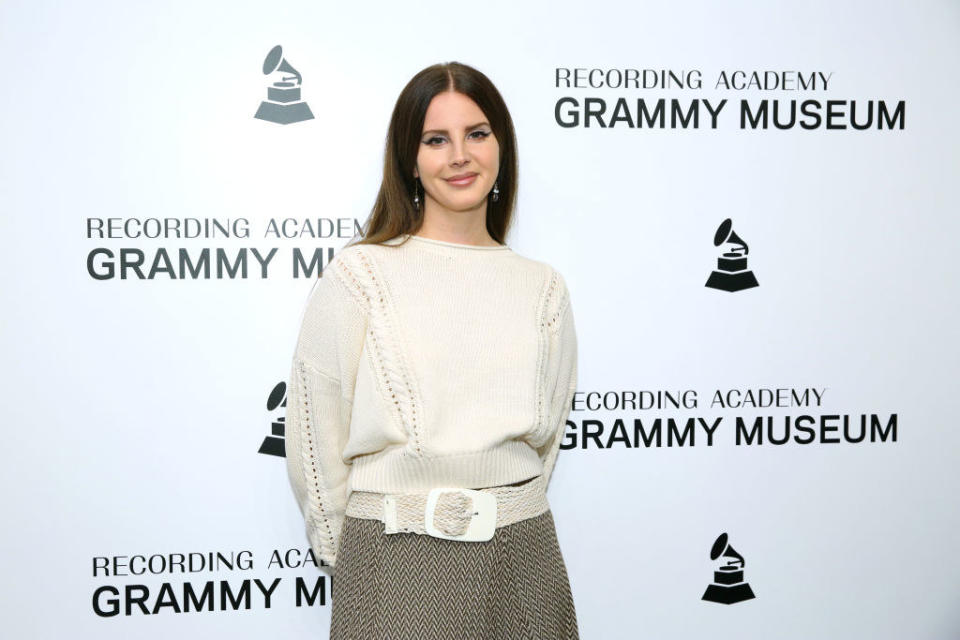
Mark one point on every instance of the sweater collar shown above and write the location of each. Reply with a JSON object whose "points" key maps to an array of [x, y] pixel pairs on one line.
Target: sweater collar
{"points": [[452, 246]]}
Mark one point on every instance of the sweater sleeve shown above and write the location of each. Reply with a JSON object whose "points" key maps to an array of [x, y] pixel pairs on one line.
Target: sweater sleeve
{"points": [[561, 376], [319, 399]]}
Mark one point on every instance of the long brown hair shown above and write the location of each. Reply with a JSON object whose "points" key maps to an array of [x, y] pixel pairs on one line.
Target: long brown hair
{"points": [[393, 212]]}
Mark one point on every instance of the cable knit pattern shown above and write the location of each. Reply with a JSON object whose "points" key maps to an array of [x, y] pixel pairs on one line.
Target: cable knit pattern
{"points": [[385, 341], [341, 266], [423, 363]]}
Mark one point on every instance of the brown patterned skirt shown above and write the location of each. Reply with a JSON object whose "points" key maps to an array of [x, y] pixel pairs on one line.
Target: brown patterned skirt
{"points": [[406, 586]]}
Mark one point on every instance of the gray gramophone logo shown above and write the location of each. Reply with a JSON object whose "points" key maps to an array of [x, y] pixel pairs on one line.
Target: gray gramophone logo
{"points": [[728, 585], [274, 444], [731, 273], [283, 104]]}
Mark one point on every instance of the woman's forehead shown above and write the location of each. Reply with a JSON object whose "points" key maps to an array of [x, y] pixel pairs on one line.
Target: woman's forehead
{"points": [[452, 109]]}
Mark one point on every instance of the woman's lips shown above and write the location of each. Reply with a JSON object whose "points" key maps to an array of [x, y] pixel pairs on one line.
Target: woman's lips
{"points": [[462, 182]]}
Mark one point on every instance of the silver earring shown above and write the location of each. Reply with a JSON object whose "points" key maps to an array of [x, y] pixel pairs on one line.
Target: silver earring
{"points": [[496, 191], [416, 196]]}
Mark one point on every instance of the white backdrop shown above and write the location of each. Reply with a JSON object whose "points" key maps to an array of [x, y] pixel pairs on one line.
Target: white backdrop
{"points": [[136, 406]]}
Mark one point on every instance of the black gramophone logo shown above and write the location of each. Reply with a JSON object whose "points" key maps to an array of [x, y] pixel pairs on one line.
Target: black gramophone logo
{"points": [[728, 585], [273, 444], [732, 273], [283, 104]]}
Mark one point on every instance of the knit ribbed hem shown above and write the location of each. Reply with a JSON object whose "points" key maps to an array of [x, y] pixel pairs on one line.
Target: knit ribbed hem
{"points": [[392, 471]]}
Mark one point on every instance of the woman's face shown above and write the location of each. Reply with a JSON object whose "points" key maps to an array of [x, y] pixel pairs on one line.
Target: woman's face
{"points": [[457, 140]]}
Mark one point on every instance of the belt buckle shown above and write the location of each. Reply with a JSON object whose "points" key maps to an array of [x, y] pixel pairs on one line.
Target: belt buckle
{"points": [[483, 523]]}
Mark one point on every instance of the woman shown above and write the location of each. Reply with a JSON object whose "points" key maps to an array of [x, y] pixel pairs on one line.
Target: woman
{"points": [[430, 387]]}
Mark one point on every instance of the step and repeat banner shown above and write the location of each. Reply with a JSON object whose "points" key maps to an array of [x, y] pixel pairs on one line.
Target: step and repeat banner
{"points": [[755, 208]]}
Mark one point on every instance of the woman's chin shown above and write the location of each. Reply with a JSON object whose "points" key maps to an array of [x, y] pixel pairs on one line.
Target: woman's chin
{"points": [[462, 203]]}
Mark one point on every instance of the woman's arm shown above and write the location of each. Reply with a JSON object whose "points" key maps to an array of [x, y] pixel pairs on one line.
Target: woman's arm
{"points": [[319, 399], [561, 375]]}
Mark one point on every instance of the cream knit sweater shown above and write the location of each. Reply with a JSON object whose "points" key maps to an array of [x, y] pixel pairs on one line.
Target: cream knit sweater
{"points": [[421, 364]]}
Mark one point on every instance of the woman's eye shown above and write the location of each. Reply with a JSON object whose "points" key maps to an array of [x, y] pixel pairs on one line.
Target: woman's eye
{"points": [[476, 135]]}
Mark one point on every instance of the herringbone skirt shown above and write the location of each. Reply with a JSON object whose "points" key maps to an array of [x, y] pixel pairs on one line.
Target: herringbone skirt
{"points": [[409, 586]]}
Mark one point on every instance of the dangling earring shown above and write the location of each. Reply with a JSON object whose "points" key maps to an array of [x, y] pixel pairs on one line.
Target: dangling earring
{"points": [[496, 191], [416, 196]]}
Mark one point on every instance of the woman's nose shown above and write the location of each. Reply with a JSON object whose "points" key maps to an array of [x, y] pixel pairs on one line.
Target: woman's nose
{"points": [[458, 153]]}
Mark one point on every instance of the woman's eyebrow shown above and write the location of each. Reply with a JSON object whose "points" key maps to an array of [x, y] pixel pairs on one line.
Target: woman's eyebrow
{"points": [[473, 126]]}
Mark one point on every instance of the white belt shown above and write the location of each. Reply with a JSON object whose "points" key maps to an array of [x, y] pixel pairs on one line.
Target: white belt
{"points": [[452, 513]]}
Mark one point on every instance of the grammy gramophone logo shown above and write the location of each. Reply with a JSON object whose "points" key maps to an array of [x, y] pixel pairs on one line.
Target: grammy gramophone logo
{"points": [[731, 273], [283, 104], [728, 585], [273, 444]]}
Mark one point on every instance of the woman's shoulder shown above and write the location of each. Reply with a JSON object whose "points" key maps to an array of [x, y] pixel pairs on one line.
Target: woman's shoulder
{"points": [[545, 269], [554, 296]]}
